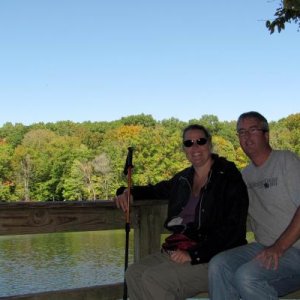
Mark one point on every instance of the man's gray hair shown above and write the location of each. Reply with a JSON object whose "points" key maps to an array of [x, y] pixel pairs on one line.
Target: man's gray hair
{"points": [[255, 115]]}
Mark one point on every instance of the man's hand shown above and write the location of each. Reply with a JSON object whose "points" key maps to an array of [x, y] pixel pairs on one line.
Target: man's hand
{"points": [[270, 256]]}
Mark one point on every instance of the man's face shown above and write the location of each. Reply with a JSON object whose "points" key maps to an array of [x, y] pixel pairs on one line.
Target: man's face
{"points": [[253, 139]]}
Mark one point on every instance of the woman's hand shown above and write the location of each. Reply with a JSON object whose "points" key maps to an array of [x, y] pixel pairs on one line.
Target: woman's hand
{"points": [[121, 201], [180, 256]]}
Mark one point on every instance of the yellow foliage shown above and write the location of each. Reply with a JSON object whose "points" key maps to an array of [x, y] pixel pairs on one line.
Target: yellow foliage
{"points": [[125, 132]]}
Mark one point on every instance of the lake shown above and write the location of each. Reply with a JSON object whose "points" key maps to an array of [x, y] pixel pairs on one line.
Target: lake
{"points": [[45, 262]]}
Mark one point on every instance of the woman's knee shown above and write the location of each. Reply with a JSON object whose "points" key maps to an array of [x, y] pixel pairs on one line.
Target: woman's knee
{"points": [[133, 271]]}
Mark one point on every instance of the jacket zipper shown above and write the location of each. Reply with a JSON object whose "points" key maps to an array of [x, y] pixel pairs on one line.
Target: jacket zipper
{"points": [[201, 198]]}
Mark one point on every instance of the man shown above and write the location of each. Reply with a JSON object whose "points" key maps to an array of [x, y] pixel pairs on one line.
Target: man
{"points": [[270, 266]]}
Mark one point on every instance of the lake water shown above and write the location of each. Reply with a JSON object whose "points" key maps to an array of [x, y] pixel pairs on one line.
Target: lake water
{"points": [[47, 262]]}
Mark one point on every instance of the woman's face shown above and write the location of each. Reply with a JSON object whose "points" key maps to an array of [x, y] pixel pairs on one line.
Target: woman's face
{"points": [[197, 154]]}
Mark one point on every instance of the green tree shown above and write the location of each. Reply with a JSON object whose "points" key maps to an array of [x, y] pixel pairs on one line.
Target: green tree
{"points": [[102, 168], [6, 152], [227, 130], [285, 134], [73, 185], [23, 168], [13, 134], [6, 179], [142, 119], [51, 157], [224, 148], [211, 122], [288, 11], [85, 161]]}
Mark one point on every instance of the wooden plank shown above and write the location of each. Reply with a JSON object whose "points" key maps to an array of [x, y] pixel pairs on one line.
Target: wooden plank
{"points": [[46, 217], [53, 217]]}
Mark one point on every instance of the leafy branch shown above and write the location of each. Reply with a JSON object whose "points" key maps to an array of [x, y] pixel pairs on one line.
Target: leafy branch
{"points": [[289, 11]]}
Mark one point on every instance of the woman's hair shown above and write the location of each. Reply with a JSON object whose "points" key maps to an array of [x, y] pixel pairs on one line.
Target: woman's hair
{"points": [[255, 115], [197, 127]]}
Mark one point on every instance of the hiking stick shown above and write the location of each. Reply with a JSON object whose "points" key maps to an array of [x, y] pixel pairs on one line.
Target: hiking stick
{"points": [[127, 171]]}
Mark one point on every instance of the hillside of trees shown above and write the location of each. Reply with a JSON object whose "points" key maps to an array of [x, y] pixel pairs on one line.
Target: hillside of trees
{"points": [[85, 161]]}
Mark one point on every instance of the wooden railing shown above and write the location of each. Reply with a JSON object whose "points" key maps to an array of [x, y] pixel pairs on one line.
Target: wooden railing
{"points": [[48, 217]]}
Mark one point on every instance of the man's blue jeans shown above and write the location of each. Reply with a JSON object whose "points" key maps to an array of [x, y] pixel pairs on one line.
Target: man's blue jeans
{"points": [[234, 274]]}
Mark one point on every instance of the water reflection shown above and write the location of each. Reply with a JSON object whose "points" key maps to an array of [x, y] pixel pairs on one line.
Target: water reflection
{"points": [[44, 262]]}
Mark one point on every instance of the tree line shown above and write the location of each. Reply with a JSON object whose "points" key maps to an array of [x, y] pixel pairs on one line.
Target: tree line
{"points": [[85, 161]]}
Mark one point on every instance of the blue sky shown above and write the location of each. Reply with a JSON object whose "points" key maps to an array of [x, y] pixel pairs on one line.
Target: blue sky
{"points": [[96, 60]]}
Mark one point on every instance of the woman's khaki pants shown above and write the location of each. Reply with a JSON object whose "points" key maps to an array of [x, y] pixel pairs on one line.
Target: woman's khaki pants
{"points": [[156, 277]]}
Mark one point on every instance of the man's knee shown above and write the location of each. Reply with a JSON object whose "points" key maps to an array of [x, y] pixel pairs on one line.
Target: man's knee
{"points": [[241, 277], [217, 264], [245, 279]]}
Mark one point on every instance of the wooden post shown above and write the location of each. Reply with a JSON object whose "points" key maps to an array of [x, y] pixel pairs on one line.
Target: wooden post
{"points": [[147, 235]]}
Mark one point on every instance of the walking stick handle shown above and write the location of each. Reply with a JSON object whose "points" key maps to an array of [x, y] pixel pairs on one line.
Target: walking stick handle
{"points": [[128, 163]]}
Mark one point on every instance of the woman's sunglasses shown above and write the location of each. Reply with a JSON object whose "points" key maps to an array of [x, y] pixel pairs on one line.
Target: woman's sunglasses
{"points": [[190, 143]]}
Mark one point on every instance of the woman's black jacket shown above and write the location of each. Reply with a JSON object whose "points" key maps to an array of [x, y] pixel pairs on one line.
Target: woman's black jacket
{"points": [[221, 214]]}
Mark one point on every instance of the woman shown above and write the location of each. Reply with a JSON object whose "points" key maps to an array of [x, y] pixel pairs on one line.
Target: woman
{"points": [[207, 212]]}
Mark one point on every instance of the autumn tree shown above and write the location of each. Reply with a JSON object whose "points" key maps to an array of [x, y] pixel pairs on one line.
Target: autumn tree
{"points": [[85, 161]]}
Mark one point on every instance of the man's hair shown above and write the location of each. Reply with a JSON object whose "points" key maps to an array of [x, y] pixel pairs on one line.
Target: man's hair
{"points": [[255, 115], [197, 127]]}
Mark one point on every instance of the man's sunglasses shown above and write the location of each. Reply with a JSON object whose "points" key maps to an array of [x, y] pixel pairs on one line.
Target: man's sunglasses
{"points": [[190, 143]]}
